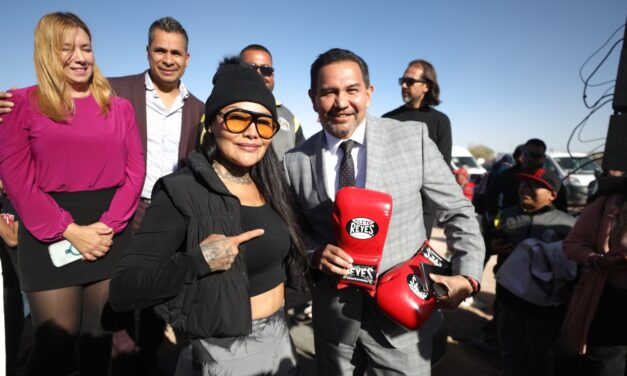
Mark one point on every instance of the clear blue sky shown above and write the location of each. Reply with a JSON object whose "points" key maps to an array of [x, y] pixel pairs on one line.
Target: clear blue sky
{"points": [[508, 70]]}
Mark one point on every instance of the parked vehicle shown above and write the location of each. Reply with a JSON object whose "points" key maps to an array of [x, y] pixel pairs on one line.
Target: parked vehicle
{"points": [[461, 157], [577, 171]]}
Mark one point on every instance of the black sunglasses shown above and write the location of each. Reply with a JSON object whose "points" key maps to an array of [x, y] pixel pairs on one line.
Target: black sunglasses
{"points": [[264, 70], [409, 81], [533, 155], [238, 120]]}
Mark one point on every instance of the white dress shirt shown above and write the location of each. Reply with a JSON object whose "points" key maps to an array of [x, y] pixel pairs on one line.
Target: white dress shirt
{"points": [[164, 135], [333, 154]]}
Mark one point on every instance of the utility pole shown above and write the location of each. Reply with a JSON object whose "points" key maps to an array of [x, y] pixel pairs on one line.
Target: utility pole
{"points": [[615, 155]]}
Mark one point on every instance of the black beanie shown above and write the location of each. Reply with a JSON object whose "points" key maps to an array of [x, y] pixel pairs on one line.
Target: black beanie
{"points": [[234, 83]]}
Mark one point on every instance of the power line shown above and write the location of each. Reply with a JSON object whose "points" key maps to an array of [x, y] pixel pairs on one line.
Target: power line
{"points": [[585, 87], [594, 53], [582, 124]]}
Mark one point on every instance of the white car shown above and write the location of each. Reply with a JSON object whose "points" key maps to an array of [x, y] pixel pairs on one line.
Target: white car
{"points": [[577, 171], [461, 157]]}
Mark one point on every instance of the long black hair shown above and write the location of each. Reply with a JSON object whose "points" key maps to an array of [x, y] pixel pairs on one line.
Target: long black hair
{"points": [[269, 177]]}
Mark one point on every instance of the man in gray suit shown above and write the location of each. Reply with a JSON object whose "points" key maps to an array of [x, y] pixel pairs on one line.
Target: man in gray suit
{"points": [[399, 159]]}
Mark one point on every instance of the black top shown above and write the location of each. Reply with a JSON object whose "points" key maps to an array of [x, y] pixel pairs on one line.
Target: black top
{"points": [[437, 122], [503, 193], [265, 254], [164, 265]]}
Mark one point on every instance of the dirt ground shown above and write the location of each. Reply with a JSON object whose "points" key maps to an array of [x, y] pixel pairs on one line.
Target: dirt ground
{"points": [[463, 328]]}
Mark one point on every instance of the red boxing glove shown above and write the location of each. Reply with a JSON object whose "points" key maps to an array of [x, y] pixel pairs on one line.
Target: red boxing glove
{"points": [[406, 293], [361, 218]]}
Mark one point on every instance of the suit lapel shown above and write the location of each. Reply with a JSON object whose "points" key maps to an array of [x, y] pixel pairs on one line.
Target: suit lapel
{"points": [[139, 102], [319, 179], [375, 156], [186, 133]]}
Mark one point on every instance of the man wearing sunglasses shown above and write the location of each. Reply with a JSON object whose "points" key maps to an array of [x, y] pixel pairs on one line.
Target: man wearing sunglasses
{"points": [[503, 193], [421, 93], [290, 132]]}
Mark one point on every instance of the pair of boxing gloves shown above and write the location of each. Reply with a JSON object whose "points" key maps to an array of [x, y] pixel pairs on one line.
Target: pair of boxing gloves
{"points": [[405, 293]]}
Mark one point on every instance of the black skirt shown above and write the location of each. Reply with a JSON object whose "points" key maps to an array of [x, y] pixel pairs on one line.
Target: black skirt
{"points": [[35, 268]]}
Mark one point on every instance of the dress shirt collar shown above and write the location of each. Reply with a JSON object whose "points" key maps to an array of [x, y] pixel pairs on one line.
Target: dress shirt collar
{"points": [[150, 86], [359, 136]]}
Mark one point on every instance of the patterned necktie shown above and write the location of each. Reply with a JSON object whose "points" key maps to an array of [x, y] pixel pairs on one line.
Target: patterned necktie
{"points": [[347, 166]]}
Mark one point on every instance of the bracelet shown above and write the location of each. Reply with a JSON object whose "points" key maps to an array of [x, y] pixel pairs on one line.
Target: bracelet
{"points": [[476, 286]]}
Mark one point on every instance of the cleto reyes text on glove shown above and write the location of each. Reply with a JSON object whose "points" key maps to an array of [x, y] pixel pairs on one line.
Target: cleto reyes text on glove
{"points": [[361, 218]]}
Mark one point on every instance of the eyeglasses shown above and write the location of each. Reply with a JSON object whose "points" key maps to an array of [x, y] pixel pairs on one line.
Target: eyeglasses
{"points": [[527, 153], [409, 81], [264, 70], [238, 120]]}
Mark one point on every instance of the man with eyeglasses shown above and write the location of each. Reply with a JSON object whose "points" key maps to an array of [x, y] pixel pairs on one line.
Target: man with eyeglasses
{"points": [[290, 132], [421, 93], [504, 192]]}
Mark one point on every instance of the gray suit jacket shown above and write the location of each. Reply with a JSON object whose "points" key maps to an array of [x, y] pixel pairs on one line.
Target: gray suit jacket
{"points": [[402, 161]]}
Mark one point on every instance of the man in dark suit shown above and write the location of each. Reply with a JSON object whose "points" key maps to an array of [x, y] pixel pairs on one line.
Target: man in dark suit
{"points": [[168, 115], [396, 158]]}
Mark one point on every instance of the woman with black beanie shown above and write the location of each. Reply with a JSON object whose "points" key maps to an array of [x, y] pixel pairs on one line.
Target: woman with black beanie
{"points": [[220, 241]]}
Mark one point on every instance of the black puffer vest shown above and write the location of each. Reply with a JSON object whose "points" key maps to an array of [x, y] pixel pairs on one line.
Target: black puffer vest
{"points": [[218, 304]]}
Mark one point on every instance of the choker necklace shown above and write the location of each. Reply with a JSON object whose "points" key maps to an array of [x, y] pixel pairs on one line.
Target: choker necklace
{"points": [[242, 176]]}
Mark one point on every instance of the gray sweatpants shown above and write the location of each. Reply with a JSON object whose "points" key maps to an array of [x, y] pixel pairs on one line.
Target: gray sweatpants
{"points": [[268, 350]]}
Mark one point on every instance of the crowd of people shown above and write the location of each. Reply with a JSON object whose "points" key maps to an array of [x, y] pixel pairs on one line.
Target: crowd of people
{"points": [[131, 205]]}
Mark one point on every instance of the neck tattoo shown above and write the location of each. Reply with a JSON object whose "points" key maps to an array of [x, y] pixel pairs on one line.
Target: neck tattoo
{"points": [[232, 173]]}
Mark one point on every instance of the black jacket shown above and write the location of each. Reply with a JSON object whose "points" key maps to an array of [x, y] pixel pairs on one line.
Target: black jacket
{"points": [[164, 264], [438, 124]]}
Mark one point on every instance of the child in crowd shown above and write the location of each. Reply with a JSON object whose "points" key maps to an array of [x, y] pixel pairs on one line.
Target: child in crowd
{"points": [[527, 331], [468, 187]]}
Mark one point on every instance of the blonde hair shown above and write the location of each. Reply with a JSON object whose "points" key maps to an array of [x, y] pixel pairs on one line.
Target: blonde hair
{"points": [[54, 97]]}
